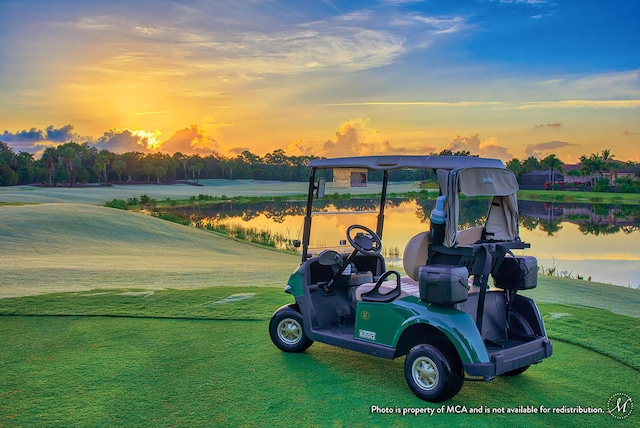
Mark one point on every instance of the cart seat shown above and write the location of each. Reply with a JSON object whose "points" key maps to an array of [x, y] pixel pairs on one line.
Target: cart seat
{"points": [[469, 236], [414, 257], [408, 287]]}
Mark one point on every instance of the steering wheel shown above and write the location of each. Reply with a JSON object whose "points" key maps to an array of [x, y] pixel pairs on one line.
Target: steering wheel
{"points": [[366, 243]]}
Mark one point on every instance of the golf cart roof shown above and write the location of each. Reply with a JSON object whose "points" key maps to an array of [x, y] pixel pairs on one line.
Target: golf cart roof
{"points": [[399, 162]]}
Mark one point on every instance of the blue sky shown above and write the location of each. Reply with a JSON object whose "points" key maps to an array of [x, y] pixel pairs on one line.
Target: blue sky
{"points": [[499, 78]]}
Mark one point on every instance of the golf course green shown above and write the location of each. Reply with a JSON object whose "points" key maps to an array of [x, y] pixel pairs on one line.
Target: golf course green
{"points": [[114, 318]]}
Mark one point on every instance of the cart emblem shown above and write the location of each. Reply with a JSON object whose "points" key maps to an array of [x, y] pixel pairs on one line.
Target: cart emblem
{"points": [[369, 335], [365, 315]]}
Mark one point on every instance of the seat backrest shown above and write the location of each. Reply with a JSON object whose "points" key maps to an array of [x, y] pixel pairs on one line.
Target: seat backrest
{"points": [[469, 236], [415, 255]]}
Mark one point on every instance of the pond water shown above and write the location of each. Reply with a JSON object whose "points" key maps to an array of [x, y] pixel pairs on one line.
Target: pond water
{"points": [[597, 242]]}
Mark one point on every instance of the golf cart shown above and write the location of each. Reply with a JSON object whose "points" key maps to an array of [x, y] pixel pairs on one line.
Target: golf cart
{"points": [[443, 314]]}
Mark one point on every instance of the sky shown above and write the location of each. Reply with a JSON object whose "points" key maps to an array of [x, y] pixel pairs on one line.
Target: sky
{"points": [[500, 78]]}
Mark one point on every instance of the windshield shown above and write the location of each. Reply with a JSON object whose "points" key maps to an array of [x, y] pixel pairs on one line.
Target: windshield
{"points": [[331, 220]]}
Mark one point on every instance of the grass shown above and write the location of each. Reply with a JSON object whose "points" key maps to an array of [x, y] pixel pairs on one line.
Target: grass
{"points": [[175, 357], [69, 247], [164, 325], [584, 197]]}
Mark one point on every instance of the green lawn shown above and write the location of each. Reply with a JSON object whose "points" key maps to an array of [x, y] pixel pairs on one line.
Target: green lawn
{"points": [[165, 325], [192, 358]]}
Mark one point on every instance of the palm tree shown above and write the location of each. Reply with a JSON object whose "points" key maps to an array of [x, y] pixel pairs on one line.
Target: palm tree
{"points": [[49, 158], [195, 170], [553, 164], [102, 160]]}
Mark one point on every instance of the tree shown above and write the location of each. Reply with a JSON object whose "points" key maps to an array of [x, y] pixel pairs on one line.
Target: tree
{"points": [[49, 158], [102, 160], [7, 155], [183, 160], [515, 165], [119, 166], [552, 163], [132, 162], [195, 170], [68, 156], [592, 163], [8, 177], [147, 169], [160, 173], [530, 164]]}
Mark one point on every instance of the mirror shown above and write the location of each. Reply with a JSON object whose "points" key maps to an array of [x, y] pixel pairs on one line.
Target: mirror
{"points": [[320, 187]]}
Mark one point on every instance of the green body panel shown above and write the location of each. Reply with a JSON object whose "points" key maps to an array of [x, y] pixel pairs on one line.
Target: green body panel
{"points": [[384, 323], [295, 285]]}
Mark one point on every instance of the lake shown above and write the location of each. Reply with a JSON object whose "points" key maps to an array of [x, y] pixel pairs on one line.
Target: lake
{"points": [[589, 241]]}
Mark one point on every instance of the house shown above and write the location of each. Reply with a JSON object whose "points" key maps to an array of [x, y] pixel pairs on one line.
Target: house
{"points": [[535, 180]]}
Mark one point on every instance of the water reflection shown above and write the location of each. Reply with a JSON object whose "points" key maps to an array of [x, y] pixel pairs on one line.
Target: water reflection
{"points": [[577, 240]]}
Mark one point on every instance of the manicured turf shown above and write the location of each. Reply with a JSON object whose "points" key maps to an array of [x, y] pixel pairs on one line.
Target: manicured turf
{"points": [[171, 330], [73, 247], [143, 370]]}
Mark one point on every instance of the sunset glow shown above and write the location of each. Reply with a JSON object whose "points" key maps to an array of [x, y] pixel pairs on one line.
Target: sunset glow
{"points": [[500, 78]]}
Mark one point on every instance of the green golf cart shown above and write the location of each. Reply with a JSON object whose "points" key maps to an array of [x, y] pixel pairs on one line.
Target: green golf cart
{"points": [[457, 309]]}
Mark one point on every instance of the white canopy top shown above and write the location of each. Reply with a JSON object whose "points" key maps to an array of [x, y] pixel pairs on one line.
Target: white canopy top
{"points": [[400, 162]]}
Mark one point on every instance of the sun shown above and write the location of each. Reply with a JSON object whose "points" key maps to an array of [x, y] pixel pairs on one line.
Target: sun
{"points": [[150, 139]]}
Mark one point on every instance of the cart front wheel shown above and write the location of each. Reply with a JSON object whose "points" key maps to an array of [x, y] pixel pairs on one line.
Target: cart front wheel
{"points": [[433, 374], [285, 329]]}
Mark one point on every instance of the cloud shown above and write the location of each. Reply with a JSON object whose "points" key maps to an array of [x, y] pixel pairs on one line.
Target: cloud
{"points": [[123, 140], [298, 148], [357, 139], [500, 105], [190, 140], [555, 125], [59, 135], [476, 146], [36, 140], [630, 133], [541, 149], [238, 150]]}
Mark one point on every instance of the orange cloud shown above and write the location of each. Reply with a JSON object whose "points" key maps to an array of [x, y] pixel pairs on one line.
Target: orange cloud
{"points": [[356, 139], [190, 140], [476, 146]]}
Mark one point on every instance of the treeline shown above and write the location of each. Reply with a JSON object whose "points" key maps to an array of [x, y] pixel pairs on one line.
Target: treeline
{"points": [[598, 172], [71, 163]]}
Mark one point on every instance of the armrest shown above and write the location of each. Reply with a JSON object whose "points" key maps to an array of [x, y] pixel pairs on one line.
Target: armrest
{"points": [[375, 296]]}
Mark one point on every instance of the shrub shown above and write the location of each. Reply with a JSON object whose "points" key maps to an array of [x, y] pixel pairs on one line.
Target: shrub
{"points": [[117, 203]]}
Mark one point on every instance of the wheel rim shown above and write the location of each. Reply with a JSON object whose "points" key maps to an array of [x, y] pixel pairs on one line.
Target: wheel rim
{"points": [[425, 373], [290, 331]]}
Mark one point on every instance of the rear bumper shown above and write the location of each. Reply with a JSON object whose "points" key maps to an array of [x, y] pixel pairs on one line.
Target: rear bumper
{"points": [[506, 360]]}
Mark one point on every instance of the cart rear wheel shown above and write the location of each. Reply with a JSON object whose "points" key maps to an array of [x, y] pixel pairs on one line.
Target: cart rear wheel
{"points": [[285, 329], [433, 374]]}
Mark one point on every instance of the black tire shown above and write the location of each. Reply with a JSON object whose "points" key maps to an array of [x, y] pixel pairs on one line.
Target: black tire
{"points": [[516, 372], [433, 373], [285, 329]]}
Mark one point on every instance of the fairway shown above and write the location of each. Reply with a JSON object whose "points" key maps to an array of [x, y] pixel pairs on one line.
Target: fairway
{"points": [[213, 364], [113, 318], [72, 247]]}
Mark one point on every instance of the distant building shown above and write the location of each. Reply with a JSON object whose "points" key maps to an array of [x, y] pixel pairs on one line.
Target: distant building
{"points": [[535, 180], [576, 179]]}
